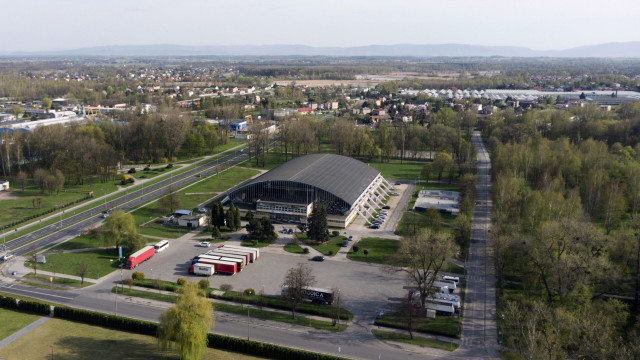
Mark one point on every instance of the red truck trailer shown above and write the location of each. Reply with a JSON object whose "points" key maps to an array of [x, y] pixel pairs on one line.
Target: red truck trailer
{"points": [[139, 256], [222, 267]]}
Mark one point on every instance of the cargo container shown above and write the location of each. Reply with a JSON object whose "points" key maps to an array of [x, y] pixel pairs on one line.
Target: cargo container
{"points": [[222, 252], [237, 260], [220, 267], [252, 254], [210, 257], [139, 256], [204, 269], [441, 308], [255, 253]]}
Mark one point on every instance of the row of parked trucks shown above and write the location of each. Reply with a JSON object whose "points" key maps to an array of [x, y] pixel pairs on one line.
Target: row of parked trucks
{"points": [[225, 259]]}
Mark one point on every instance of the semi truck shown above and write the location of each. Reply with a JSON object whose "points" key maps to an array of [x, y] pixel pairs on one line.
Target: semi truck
{"points": [[139, 256], [255, 253], [204, 269], [316, 295], [220, 251], [220, 266]]}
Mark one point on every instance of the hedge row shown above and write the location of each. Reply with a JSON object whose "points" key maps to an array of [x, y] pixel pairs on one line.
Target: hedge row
{"points": [[261, 349], [25, 305], [106, 320], [35, 216], [8, 302]]}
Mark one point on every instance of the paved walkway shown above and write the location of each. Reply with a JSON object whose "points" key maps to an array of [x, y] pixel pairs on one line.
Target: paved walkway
{"points": [[23, 331]]}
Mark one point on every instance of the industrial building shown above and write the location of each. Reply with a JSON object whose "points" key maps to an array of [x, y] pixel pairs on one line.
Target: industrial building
{"points": [[348, 187]]}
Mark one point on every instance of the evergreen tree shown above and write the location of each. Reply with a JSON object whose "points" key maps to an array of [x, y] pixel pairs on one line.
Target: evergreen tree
{"points": [[249, 215], [237, 221], [317, 228], [231, 217]]}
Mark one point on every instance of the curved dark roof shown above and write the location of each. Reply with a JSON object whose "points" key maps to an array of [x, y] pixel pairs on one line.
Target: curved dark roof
{"points": [[340, 175]]}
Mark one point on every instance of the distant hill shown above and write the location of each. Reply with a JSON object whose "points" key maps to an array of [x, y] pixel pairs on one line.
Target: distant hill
{"points": [[625, 49]]}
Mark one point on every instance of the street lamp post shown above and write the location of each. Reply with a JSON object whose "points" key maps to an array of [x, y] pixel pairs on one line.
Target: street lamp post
{"points": [[338, 309]]}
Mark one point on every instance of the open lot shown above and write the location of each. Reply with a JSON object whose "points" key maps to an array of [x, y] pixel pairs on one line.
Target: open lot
{"points": [[61, 339], [364, 287], [13, 321]]}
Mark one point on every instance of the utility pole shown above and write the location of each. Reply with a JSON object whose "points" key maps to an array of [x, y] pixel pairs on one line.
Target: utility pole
{"points": [[338, 309]]}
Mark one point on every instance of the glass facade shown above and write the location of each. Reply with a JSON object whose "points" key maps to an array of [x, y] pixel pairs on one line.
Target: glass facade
{"points": [[287, 192]]}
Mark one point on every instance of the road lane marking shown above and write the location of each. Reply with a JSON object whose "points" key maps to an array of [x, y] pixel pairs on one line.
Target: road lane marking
{"points": [[44, 294]]}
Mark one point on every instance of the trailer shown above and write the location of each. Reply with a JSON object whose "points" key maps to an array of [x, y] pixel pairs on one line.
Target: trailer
{"points": [[210, 257], [315, 295], [236, 260], [441, 285], [255, 253], [139, 256], [220, 266], [244, 255], [204, 269], [441, 309]]}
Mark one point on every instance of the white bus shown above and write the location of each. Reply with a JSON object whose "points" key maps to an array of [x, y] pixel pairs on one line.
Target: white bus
{"points": [[161, 246]]}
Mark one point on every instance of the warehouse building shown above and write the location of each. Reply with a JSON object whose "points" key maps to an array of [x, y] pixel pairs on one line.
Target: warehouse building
{"points": [[348, 187]]}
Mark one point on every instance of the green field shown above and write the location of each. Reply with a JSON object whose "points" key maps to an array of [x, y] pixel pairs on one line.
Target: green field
{"points": [[13, 321], [417, 340], [274, 159], [100, 262], [293, 248], [408, 170], [379, 250], [61, 339], [80, 242], [441, 325], [333, 245]]}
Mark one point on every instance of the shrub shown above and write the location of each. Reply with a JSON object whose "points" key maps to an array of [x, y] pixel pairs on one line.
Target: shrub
{"points": [[128, 282], [335, 233], [215, 233], [249, 292], [8, 302], [131, 171], [158, 284], [366, 252], [137, 275], [203, 284], [106, 320], [226, 287], [148, 168], [330, 252], [305, 250], [125, 177], [181, 282], [355, 249], [169, 166]]}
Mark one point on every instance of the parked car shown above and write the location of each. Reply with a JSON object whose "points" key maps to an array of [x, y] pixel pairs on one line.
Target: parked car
{"points": [[204, 244], [243, 237], [398, 183], [386, 207], [6, 257], [202, 210], [290, 231], [374, 226], [345, 243], [317, 258], [350, 237], [395, 194]]}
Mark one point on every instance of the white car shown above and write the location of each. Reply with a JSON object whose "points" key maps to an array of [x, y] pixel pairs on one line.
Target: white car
{"points": [[204, 244]]}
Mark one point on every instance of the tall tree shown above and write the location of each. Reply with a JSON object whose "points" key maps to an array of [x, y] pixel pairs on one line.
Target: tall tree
{"points": [[317, 228], [187, 323], [122, 231], [421, 257]]}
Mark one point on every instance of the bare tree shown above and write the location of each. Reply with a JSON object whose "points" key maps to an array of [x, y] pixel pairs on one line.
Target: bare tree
{"points": [[82, 270], [296, 280], [421, 257]]}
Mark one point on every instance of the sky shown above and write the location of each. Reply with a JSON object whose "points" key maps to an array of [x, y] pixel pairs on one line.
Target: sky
{"points": [[38, 25]]}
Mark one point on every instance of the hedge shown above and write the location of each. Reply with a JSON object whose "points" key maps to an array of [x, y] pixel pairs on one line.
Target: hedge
{"points": [[25, 305], [106, 320], [261, 349], [8, 302]]}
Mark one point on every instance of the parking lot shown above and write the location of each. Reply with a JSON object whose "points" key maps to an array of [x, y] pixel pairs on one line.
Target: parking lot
{"points": [[365, 289]]}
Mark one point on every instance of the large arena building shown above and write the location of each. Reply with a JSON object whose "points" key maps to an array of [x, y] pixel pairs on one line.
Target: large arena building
{"points": [[348, 187]]}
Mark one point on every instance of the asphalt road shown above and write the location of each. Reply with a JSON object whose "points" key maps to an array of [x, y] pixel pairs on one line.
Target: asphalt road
{"points": [[479, 329], [74, 225]]}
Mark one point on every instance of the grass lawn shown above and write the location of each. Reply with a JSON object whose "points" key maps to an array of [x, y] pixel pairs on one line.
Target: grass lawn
{"points": [[99, 262], [293, 248], [240, 310], [71, 340], [255, 244], [274, 159], [222, 182], [80, 242], [441, 325], [408, 170], [379, 250], [13, 321], [412, 221], [417, 340], [56, 280], [329, 248], [148, 174]]}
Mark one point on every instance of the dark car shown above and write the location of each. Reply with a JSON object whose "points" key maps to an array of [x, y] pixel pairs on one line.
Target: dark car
{"points": [[317, 258], [374, 226], [243, 237], [387, 207], [290, 231], [398, 183]]}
